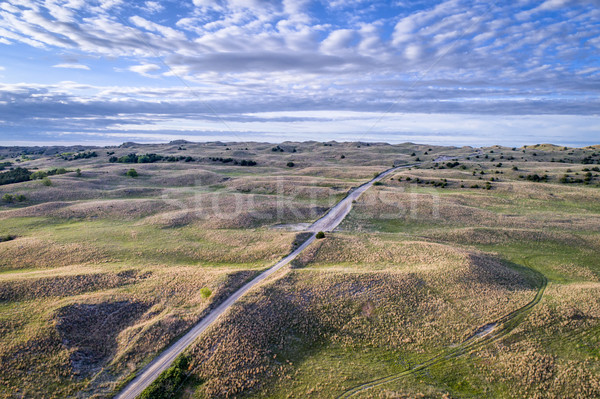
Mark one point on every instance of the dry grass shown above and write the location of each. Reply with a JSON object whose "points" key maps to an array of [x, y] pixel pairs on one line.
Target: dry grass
{"points": [[31, 252], [555, 352], [118, 209], [28, 289], [436, 207], [392, 296], [101, 327], [126, 258]]}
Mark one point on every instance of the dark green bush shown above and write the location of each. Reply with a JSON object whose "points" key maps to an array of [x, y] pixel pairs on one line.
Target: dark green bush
{"points": [[320, 235], [7, 238], [169, 382], [537, 178], [16, 175], [132, 173]]}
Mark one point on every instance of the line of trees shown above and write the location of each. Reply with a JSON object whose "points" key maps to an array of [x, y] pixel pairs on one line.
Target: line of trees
{"points": [[242, 162], [149, 158], [69, 156], [18, 175]]}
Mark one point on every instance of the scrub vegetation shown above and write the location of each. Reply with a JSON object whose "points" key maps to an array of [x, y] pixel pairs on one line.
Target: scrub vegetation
{"points": [[467, 253]]}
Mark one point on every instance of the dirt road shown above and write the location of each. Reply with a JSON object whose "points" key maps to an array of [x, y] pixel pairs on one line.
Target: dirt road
{"points": [[327, 223]]}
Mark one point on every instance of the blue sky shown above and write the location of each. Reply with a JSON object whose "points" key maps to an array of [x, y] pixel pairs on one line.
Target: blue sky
{"points": [[441, 72]]}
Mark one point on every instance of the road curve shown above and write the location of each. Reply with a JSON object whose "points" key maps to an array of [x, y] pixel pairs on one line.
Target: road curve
{"points": [[327, 223]]}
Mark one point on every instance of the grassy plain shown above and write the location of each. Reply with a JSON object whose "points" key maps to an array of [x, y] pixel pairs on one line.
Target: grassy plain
{"points": [[418, 268], [105, 270]]}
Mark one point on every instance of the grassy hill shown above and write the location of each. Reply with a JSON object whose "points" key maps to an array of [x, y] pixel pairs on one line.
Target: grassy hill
{"points": [[100, 271]]}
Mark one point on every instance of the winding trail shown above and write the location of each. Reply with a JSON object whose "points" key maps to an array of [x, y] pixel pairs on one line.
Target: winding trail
{"points": [[484, 335], [326, 223]]}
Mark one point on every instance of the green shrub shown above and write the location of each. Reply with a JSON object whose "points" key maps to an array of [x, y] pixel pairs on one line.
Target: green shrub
{"points": [[38, 175], [205, 292], [8, 198], [42, 174], [537, 178], [20, 198], [378, 183], [46, 181], [320, 235], [169, 382], [16, 175], [78, 172], [290, 164], [132, 173]]}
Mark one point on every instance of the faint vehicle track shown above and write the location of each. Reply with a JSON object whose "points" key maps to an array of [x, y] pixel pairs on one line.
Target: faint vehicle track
{"points": [[482, 336]]}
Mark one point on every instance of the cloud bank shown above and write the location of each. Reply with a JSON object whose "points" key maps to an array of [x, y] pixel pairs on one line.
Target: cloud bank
{"points": [[474, 71]]}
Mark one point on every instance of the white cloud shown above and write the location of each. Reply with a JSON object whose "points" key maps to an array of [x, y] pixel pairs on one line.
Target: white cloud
{"points": [[338, 40], [153, 7], [71, 66], [167, 32], [144, 69], [413, 52], [404, 30]]}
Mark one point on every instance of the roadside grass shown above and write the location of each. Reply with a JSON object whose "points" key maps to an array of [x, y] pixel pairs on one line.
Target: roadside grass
{"points": [[371, 304], [167, 300], [110, 241]]}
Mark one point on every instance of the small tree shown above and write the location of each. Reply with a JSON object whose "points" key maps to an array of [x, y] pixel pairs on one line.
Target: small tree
{"points": [[21, 198], [8, 198], [205, 292], [320, 235], [46, 181], [78, 172], [132, 173], [290, 164]]}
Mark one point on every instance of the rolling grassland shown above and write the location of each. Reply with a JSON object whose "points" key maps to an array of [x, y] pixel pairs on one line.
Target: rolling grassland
{"points": [[468, 277]]}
